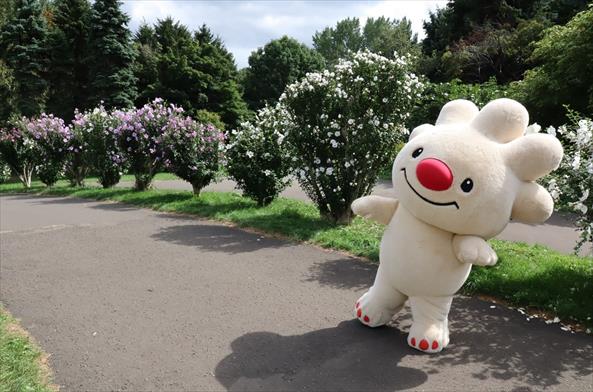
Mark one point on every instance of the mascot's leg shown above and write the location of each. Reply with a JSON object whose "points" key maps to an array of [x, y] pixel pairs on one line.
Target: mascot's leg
{"points": [[430, 330], [378, 305]]}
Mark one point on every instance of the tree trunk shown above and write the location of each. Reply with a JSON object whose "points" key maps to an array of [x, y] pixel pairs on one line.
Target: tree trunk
{"points": [[197, 189], [344, 217], [25, 176]]}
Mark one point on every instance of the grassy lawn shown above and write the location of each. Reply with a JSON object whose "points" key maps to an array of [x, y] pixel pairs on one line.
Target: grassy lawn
{"points": [[529, 276], [21, 362]]}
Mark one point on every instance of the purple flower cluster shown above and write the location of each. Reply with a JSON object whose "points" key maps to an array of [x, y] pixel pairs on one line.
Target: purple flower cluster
{"points": [[49, 129]]}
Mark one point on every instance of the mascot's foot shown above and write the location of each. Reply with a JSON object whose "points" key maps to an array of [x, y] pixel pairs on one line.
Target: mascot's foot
{"points": [[430, 339], [370, 313]]}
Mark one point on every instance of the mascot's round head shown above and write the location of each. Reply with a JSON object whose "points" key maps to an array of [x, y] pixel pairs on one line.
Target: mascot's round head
{"points": [[473, 171]]}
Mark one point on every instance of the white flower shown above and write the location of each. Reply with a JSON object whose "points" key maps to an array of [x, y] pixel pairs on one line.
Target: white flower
{"points": [[551, 131], [533, 128], [329, 171], [249, 154], [267, 172]]}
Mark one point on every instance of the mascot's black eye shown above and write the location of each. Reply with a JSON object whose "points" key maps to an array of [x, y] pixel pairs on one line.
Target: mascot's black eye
{"points": [[467, 185], [417, 152]]}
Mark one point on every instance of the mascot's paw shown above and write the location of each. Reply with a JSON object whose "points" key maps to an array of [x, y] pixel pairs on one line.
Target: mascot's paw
{"points": [[428, 339], [371, 313], [474, 250]]}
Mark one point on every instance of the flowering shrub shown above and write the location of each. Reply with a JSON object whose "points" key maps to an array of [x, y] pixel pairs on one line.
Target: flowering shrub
{"points": [[572, 183], [18, 150], [5, 172], [95, 147], [344, 124], [257, 157], [192, 150], [140, 133], [52, 138]]}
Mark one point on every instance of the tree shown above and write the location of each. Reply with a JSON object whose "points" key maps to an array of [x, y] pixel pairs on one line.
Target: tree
{"points": [[194, 71], [68, 74], [7, 92], [6, 11], [146, 63], [383, 36], [565, 73], [111, 56], [271, 68], [23, 41], [476, 40]]}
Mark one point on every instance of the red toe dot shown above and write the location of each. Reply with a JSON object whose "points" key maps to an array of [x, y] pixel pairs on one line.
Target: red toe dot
{"points": [[414, 342], [359, 313], [435, 345], [423, 344], [357, 305], [366, 319]]}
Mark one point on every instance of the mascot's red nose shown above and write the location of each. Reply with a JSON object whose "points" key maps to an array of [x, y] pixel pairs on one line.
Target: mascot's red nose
{"points": [[434, 174]]}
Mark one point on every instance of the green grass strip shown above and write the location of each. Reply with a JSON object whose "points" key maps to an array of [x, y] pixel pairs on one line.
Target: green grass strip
{"points": [[530, 276], [20, 359]]}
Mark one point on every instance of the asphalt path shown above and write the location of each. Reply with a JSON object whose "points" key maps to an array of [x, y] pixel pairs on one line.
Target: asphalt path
{"points": [[131, 299], [558, 232]]}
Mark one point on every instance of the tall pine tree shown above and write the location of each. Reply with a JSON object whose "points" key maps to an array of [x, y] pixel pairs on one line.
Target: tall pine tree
{"points": [[69, 48], [111, 56], [23, 47]]}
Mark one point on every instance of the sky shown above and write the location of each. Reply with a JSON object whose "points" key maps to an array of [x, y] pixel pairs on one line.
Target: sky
{"points": [[245, 26]]}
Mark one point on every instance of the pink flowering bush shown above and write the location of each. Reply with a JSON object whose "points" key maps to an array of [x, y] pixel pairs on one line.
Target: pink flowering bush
{"points": [[140, 134], [257, 156], [18, 150], [51, 139], [192, 150], [344, 124], [94, 147]]}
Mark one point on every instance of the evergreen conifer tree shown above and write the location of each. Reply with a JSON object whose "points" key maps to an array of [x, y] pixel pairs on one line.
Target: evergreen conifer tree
{"points": [[23, 47], [68, 74], [111, 57]]}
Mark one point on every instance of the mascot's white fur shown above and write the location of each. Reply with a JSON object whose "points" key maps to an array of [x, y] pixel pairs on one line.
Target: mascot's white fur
{"points": [[457, 184]]}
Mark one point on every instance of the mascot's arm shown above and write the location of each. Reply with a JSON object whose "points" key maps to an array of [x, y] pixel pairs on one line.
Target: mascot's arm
{"points": [[377, 208], [473, 250]]}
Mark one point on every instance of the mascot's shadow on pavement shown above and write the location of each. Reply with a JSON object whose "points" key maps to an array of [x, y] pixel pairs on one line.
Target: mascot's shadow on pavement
{"points": [[346, 357], [490, 343]]}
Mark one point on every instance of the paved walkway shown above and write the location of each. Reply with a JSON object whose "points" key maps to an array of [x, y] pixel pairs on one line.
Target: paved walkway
{"points": [[131, 299], [557, 233]]}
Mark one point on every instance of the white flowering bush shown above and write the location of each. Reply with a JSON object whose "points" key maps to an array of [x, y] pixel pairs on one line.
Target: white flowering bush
{"points": [[343, 126], [257, 157], [572, 184], [5, 172], [94, 148]]}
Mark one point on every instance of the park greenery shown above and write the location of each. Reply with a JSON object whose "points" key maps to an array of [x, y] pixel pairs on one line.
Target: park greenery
{"points": [[85, 99]]}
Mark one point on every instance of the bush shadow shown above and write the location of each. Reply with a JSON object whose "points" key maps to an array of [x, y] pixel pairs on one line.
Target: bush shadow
{"points": [[348, 357], [212, 237], [349, 273]]}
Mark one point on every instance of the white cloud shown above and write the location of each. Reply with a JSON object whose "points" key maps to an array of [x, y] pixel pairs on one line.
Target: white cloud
{"points": [[245, 26]]}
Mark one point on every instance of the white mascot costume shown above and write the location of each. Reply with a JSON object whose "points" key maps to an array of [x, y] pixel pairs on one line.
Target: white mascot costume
{"points": [[457, 183]]}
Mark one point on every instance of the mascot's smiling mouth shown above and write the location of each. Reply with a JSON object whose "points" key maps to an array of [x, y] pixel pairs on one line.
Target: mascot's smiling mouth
{"points": [[451, 203]]}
